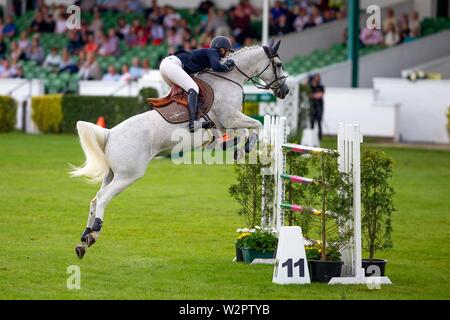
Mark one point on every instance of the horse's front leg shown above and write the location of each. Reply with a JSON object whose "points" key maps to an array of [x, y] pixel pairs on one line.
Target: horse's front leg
{"points": [[241, 121]]}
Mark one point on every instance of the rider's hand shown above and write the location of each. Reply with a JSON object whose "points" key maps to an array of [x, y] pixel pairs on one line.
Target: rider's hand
{"points": [[229, 64]]}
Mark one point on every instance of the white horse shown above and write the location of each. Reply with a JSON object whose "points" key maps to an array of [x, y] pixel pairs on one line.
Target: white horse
{"points": [[119, 156]]}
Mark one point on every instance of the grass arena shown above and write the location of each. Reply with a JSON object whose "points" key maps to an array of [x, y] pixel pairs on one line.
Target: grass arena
{"points": [[165, 241]]}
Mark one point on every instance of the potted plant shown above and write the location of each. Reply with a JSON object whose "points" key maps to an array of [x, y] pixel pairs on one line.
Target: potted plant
{"points": [[331, 195], [259, 243], [377, 207], [241, 234]]}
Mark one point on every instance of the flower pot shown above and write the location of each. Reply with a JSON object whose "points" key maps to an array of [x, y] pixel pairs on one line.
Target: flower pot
{"points": [[380, 263], [323, 271], [250, 254], [239, 256]]}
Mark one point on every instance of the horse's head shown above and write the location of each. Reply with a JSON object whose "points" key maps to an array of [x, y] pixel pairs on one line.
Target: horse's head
{"points": [[272, 72]]}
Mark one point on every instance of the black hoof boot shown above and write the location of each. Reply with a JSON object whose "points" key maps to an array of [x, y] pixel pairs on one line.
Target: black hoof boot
{"points": [[97, 226], [85, 234]]}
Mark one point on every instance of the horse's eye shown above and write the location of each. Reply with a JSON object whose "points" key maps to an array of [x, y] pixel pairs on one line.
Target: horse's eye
{"points": [[279, 64]]}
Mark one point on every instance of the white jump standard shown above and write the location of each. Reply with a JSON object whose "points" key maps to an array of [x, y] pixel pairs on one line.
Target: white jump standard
{"points": [[349, 143]]}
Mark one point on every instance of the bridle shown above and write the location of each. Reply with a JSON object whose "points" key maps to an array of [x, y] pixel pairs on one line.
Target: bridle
{"points": [[279, 81]]}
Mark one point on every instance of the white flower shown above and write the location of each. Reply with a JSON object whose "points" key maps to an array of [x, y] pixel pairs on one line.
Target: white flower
{"points": [[252, 231], [239, 230], [257, 227], [245, 230]]}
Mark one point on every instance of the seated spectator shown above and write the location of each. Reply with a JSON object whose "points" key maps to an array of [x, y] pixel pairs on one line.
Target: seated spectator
{"points": [[24, 42], [281, 26], [217, 23], [415, 25], [75, 43], [123, 29], [142, 38], [157, 33], [173, 38], [171, 17], [125, 76], [404, 27], [328, 16], [38, 24], [389, 19], [90, 69], [240, 24], [36, 52], [316, 15], [15, 70], [91, 46], [10, 29], [2, 25], [5, 71], [60, 25], [277, 11], [136, 70], [53, 59], [49, 24], [391, 37], [15, 52], [110, 44], [112, 75], [3, 47], [301, 19], [67, 64], [310, 23], [96, 23], [146, 66], [371, 37]]}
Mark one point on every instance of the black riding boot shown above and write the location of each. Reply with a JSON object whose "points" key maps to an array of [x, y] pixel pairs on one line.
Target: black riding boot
{"points": [[193, 108], [193, 111]]}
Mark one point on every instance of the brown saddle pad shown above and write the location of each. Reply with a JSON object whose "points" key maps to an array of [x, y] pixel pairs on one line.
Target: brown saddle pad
{"points": [[173, 107]]}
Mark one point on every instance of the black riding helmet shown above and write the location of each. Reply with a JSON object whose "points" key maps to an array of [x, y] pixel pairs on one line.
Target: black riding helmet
{"points": [[221, 42]]}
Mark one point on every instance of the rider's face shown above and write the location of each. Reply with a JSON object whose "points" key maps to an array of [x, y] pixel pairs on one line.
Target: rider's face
{"points": [[223, 52]]}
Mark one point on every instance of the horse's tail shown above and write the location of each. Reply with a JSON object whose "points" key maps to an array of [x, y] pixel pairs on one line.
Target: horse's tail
{"points": [[93, 141]]}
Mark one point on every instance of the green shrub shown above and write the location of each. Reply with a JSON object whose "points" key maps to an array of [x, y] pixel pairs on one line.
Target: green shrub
{"points": [[144, 94], [89, 108], [47, 112], [8, 109]]}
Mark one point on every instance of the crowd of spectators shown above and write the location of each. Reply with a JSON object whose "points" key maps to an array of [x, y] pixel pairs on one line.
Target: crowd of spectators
{"points": [[394, 31], [158, 25]]}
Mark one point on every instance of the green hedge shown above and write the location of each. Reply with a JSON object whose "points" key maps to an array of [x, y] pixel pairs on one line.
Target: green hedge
{"points": [[60, 113], [113, 109], [8, 109]]}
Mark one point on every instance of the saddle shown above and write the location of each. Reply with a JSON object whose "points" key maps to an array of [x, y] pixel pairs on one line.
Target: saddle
{"points": [[174, 106]]}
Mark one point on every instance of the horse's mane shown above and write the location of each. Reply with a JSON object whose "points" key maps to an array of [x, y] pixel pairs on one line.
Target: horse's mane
{"points": [[234, 54]]}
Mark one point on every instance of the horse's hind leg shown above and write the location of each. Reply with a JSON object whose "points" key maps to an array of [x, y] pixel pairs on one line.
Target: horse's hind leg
{"points": [[86, 239], [104, 196]]}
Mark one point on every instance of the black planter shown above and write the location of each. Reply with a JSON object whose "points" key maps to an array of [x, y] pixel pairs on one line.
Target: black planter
{"points": [[323, 271], [239, 256], [380, 263]]}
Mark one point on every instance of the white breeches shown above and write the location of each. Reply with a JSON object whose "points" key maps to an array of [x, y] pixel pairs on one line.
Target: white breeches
{"points": [[172, 72]]}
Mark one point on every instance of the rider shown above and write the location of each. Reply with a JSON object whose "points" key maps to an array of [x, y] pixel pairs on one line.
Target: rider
{"points": [[177, 68]]}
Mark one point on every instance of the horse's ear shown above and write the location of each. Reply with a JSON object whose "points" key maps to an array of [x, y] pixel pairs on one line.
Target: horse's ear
{"points": [[271, 43], [275, 47]]}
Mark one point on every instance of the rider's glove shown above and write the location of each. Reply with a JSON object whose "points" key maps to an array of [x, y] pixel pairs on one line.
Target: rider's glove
{"points": [[229, 64]]}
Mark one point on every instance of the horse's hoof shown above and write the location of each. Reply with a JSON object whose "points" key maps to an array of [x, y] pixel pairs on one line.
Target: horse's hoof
{"points": [[80, 250], [91, 238]]}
